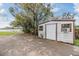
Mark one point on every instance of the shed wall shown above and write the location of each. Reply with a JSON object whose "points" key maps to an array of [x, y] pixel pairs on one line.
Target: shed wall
{"points": [[61, 36]]}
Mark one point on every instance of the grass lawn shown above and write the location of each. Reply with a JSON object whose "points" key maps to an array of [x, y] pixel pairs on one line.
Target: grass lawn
{"points": [[7, 33], [76, 42]]}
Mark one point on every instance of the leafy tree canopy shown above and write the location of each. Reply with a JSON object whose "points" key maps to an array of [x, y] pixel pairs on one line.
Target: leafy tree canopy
{"points": [[30, 14]]}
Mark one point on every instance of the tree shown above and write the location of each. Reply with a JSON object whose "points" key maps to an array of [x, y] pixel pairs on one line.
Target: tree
{"points": [[12, 11], [30, 15], [68, 15]]}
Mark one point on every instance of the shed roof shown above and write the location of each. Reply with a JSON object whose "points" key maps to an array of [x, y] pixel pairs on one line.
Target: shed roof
{"points": [[56, 19]]}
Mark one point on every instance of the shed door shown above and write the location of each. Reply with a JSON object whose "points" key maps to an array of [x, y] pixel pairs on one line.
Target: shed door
{"points": [[51, 31]]}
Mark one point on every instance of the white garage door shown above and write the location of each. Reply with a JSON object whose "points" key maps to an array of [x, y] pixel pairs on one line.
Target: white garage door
{"points": [[51, 31]]}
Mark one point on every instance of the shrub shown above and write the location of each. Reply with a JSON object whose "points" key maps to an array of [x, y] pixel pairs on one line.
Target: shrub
{"points": [[77, 33]]}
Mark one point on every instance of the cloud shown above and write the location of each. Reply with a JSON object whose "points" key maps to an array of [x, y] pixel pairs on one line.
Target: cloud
{"points": [[3, 19], [52, 4], [2, 11], [76, 7], [77, 20], [6, 19], [55, 9], [5, 22], [1, 4], [76, 17], [12, 19]]}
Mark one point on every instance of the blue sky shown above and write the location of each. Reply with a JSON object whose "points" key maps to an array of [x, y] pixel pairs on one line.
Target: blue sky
{"points": [[58, 9], [5, 16]]}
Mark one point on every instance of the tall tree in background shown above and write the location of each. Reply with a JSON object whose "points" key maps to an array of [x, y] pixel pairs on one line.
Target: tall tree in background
{"points": [[69, 15], [30, 15]]}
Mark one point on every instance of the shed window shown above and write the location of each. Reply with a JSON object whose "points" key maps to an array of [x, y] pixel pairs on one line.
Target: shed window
{"points": [[65, 27], [41, 28]]}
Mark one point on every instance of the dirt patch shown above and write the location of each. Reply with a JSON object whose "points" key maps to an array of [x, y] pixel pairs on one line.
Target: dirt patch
{"points": [[29, 45]]}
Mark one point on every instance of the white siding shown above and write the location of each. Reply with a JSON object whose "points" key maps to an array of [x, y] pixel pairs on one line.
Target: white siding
{"points": [[41, 32], [51, 31], [64, 37]]}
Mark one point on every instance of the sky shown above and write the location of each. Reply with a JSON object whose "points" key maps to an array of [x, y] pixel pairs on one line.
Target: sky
{"points": [[5, 16], [58, 8]]}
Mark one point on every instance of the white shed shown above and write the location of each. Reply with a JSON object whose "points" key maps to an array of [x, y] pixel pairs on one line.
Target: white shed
{"points": [[59, 29]]}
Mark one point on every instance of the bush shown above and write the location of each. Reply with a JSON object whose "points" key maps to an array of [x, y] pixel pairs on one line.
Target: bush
{"points": [[77, 33], [32, 31], [76, 42], [26, 30]]}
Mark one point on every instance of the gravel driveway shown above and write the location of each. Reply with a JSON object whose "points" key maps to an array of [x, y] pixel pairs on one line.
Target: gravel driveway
{"points": [[29, 45]]}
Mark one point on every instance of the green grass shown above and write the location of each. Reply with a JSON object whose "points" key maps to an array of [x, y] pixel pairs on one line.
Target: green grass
{"points": [[76, 42], [7, 33]]}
